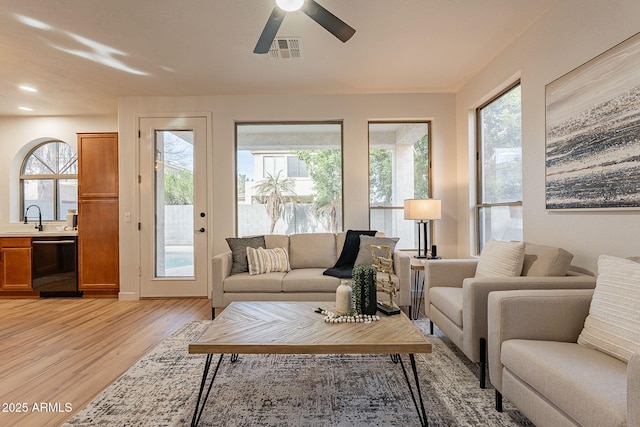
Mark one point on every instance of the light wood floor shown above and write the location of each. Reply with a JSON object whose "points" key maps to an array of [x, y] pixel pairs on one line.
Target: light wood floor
{"points": [[65, 351]]}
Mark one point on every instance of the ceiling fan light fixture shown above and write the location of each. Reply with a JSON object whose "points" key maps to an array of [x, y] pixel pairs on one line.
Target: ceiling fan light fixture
{"points": [[290, 5], [330, 22]]}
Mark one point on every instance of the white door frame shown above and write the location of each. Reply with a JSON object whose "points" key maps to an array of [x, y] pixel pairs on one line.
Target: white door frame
{"points": [[149, 285]]}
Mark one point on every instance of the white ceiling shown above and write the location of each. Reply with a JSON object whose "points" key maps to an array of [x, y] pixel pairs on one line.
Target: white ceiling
{"points": [[83, 54]]}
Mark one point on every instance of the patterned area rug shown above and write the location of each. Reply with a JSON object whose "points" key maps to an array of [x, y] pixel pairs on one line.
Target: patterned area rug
{"points": [[296, 390]]}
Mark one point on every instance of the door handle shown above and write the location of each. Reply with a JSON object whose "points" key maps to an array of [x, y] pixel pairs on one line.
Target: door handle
{"points": [[201, 230]]}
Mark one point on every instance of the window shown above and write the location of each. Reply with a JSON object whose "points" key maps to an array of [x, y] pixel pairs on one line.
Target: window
{"points": [[499, 166], [289, 178], [49, 179], [272, 166], [399, 169], [296, 168]]}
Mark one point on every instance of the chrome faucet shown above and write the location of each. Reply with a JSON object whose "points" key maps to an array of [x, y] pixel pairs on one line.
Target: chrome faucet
{"points": [[39, 226]]}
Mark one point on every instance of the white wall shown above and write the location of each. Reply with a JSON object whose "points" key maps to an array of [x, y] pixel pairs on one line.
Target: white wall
{"points": [[20, 134], [568, 35], [224, 111]]}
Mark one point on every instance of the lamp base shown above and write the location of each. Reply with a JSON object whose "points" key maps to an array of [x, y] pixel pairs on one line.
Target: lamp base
{"points": [[420, 256]]}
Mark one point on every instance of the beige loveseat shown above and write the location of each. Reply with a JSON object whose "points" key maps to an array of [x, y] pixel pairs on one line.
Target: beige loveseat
{"points": [[536, 363], [309, 256], [456, 300]]}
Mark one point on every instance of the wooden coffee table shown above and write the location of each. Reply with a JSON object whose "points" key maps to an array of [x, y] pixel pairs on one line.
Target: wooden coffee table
{"points": [[295, 328]]}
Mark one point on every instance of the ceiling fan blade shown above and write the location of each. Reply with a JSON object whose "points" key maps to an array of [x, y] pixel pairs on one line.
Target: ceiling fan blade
{"points": [[328, 20], [270, 31]]}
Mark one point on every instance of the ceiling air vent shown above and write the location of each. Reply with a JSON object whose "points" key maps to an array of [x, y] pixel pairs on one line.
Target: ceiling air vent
{"points": [[285, 48]]}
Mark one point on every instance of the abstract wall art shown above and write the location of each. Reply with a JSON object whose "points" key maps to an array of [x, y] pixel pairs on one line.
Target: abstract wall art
{"points": [[593, 133]]}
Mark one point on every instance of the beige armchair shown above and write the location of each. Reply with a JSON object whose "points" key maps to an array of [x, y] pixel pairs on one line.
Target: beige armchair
{"points": [[536, 363], [456, 300]]}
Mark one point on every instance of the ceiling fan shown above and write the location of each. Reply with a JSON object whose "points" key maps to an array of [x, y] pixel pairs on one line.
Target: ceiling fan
{"points": [[322, 16]]}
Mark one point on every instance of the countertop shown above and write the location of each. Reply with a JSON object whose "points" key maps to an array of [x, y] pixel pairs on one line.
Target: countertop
{"points": [[36, 233]]}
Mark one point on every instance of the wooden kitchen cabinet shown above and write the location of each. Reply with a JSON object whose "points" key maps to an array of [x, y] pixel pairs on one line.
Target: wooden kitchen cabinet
{"points": [[97, 165], [15, 263], [98, 266], [98, 214]]}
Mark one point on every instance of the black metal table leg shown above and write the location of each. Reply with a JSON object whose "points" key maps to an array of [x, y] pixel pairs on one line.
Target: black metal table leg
{"points": [[197, 413], [422, 414], [420, 297], [413, 309]]}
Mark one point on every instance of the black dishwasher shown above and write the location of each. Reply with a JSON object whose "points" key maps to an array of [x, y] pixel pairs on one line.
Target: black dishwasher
{"points": [[54, 266]]}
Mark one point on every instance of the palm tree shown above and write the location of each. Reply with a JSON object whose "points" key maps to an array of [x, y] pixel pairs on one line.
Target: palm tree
{"points": [[327, 208], [276, 192]]}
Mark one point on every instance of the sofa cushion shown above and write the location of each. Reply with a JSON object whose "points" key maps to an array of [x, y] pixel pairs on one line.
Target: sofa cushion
{"points": [[449, 302], [500, 259], [238, 246], [613, 323], [588, 385], [267, 260], [276, 241], [309, 280], [340, 239], [243, 282], [314, 250], [364, 253], [540, 260]]}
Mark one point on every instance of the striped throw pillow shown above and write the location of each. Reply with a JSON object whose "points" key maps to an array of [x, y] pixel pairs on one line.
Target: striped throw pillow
{"points": [[501, 259], [613, 323], [262, 260]]}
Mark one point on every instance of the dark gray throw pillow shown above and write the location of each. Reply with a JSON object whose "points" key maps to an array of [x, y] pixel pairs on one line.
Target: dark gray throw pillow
{"points": [[364, 254], [238, 246]]}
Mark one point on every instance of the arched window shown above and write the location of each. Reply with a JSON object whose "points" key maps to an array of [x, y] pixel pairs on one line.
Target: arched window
{"points": [[49, 179]]}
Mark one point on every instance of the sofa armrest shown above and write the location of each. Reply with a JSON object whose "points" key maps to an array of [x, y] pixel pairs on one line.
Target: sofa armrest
{"points": [[446, 272], [402, 269], [221, 269], [633, 391], [476, 292], [549, 315]]}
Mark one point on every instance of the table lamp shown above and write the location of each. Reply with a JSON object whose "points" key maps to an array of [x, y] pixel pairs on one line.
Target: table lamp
{"points": [[423, 211]]}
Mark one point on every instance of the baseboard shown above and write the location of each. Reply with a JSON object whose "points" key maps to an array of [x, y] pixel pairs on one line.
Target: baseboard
{"points": [[128, 296]]}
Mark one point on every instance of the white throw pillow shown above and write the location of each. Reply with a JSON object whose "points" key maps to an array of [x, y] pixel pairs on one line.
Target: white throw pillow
{"points": [[263, 261], [613, 323], [501, 259], [276, 258]]}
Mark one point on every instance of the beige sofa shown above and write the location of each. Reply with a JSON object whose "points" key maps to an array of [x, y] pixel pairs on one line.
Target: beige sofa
{"points": [[309, 256], [536, 363], [456, 300]]}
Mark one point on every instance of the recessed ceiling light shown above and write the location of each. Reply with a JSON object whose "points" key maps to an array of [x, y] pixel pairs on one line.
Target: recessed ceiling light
{"points": [[25, 108], [27, 88]]}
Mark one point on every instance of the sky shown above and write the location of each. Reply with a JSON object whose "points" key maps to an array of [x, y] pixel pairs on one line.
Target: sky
{"points": [[245, 163]]}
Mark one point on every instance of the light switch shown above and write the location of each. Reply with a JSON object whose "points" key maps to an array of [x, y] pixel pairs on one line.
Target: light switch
{"points": [[127, 217]]}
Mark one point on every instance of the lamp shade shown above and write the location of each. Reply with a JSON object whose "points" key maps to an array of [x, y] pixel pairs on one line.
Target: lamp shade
{"points": [[422, 209]]}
